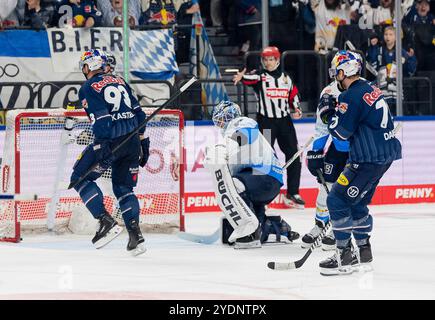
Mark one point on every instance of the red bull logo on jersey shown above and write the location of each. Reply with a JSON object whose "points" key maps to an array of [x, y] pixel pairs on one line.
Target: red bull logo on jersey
{"points": [[98, 86], [342, 107], [335, 22], [370, 98]]}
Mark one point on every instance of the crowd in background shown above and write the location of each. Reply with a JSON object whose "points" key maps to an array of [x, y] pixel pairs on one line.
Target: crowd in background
{"points": [[92, 13], [320, 25]]}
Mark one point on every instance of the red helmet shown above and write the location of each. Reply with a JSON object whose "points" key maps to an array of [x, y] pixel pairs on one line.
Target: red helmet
{"points": [[271, 52]]}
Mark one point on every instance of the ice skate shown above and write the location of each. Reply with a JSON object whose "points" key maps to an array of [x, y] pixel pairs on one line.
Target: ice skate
{"points": [[135, 239], [108, 229]]}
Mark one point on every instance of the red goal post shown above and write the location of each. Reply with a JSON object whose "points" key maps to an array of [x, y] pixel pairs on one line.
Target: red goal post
{"points": [[38, 158]]}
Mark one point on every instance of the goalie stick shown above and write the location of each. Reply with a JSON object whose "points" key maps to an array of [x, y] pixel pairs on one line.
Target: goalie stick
{"points": [[199, 238], [298, 263], [212, 238], [135, 132]]}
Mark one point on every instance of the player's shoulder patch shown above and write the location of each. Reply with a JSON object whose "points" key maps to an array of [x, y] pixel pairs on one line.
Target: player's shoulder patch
{"points": [[342, 180], [342, 107]]}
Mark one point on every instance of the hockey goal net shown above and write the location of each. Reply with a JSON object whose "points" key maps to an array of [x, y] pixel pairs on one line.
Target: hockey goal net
{"points": [[37, 163]]}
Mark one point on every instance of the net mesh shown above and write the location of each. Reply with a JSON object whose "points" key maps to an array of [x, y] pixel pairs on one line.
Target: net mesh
{"points": [[43, 158]]}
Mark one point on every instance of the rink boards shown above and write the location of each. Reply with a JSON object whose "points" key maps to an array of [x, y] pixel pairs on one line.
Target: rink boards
{"points": [[410, 180]]}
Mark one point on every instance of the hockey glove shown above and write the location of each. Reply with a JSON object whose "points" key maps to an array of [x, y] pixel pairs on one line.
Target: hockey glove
{"points": [[103, 151], [326, 107], [315, 160], [145, 144]]}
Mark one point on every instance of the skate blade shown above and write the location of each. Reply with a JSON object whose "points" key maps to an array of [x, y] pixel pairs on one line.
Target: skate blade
{"points": [[337, 271], [363, 267], [112, 234], [249, 245], [140, 249]]}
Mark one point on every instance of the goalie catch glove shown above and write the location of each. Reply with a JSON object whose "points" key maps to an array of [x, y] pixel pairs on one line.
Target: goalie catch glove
{"points": [[145, 145], [275, 225]]}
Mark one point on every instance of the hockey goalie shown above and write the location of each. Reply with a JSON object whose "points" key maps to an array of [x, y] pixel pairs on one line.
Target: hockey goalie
{"points": [[247, 176]]}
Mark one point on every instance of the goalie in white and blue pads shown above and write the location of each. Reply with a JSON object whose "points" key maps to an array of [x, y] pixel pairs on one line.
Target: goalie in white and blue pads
{"points": [[247, 176]]}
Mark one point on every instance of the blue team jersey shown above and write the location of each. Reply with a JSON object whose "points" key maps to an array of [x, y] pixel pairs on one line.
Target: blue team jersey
{"points": [[363, 118], [111, 106]]}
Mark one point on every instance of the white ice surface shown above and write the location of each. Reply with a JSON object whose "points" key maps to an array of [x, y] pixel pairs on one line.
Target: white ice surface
{"points": [[68, 267]]}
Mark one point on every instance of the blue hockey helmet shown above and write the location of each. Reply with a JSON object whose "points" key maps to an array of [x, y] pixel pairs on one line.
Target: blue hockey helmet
{"points": [[224, 112], [95, 59], [348, 61]]}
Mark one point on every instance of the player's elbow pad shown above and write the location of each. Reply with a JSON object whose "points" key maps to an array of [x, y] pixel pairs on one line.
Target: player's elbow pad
{"points": [[340, 133]]}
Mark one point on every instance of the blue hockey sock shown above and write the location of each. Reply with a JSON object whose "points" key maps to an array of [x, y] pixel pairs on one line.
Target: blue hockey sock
{"points": [[92, 197], [129, 206], [361, 230]]}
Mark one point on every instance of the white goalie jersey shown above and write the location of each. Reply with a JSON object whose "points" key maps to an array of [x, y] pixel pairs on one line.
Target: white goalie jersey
{"points": [[248, 148]]}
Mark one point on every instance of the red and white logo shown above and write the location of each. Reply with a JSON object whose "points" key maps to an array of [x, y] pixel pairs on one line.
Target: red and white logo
{"points": [[5, 181]]}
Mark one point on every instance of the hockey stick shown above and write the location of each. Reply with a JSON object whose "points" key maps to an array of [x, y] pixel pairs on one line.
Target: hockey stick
{"points": [[135, 132], [300, 151], [198, 238], [297, 264]]}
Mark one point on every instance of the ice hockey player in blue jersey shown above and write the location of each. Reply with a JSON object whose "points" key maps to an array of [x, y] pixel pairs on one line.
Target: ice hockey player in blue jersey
{"points": [[363, 118], [114, 113], [331, 163], [247, 176]]}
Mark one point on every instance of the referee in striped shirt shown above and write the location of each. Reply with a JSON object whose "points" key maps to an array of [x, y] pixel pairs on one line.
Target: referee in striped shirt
{"points": [[278, 103]]}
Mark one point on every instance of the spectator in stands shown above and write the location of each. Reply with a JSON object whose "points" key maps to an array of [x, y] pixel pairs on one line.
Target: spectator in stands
{"points": [[164, 12], [84, 14], [216, 15], [8, 14], [383, 58], [249, 24], [384, 14], [329, 15], [421, 15], [112, 12], [38, 14]]}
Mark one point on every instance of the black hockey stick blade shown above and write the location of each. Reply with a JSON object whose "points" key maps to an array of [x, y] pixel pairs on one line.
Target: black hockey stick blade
{"points": [[299, 263], [136, 131]]}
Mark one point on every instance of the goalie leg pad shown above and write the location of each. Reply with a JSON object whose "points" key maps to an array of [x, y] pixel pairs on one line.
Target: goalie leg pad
{"points": [[235, 209]]}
